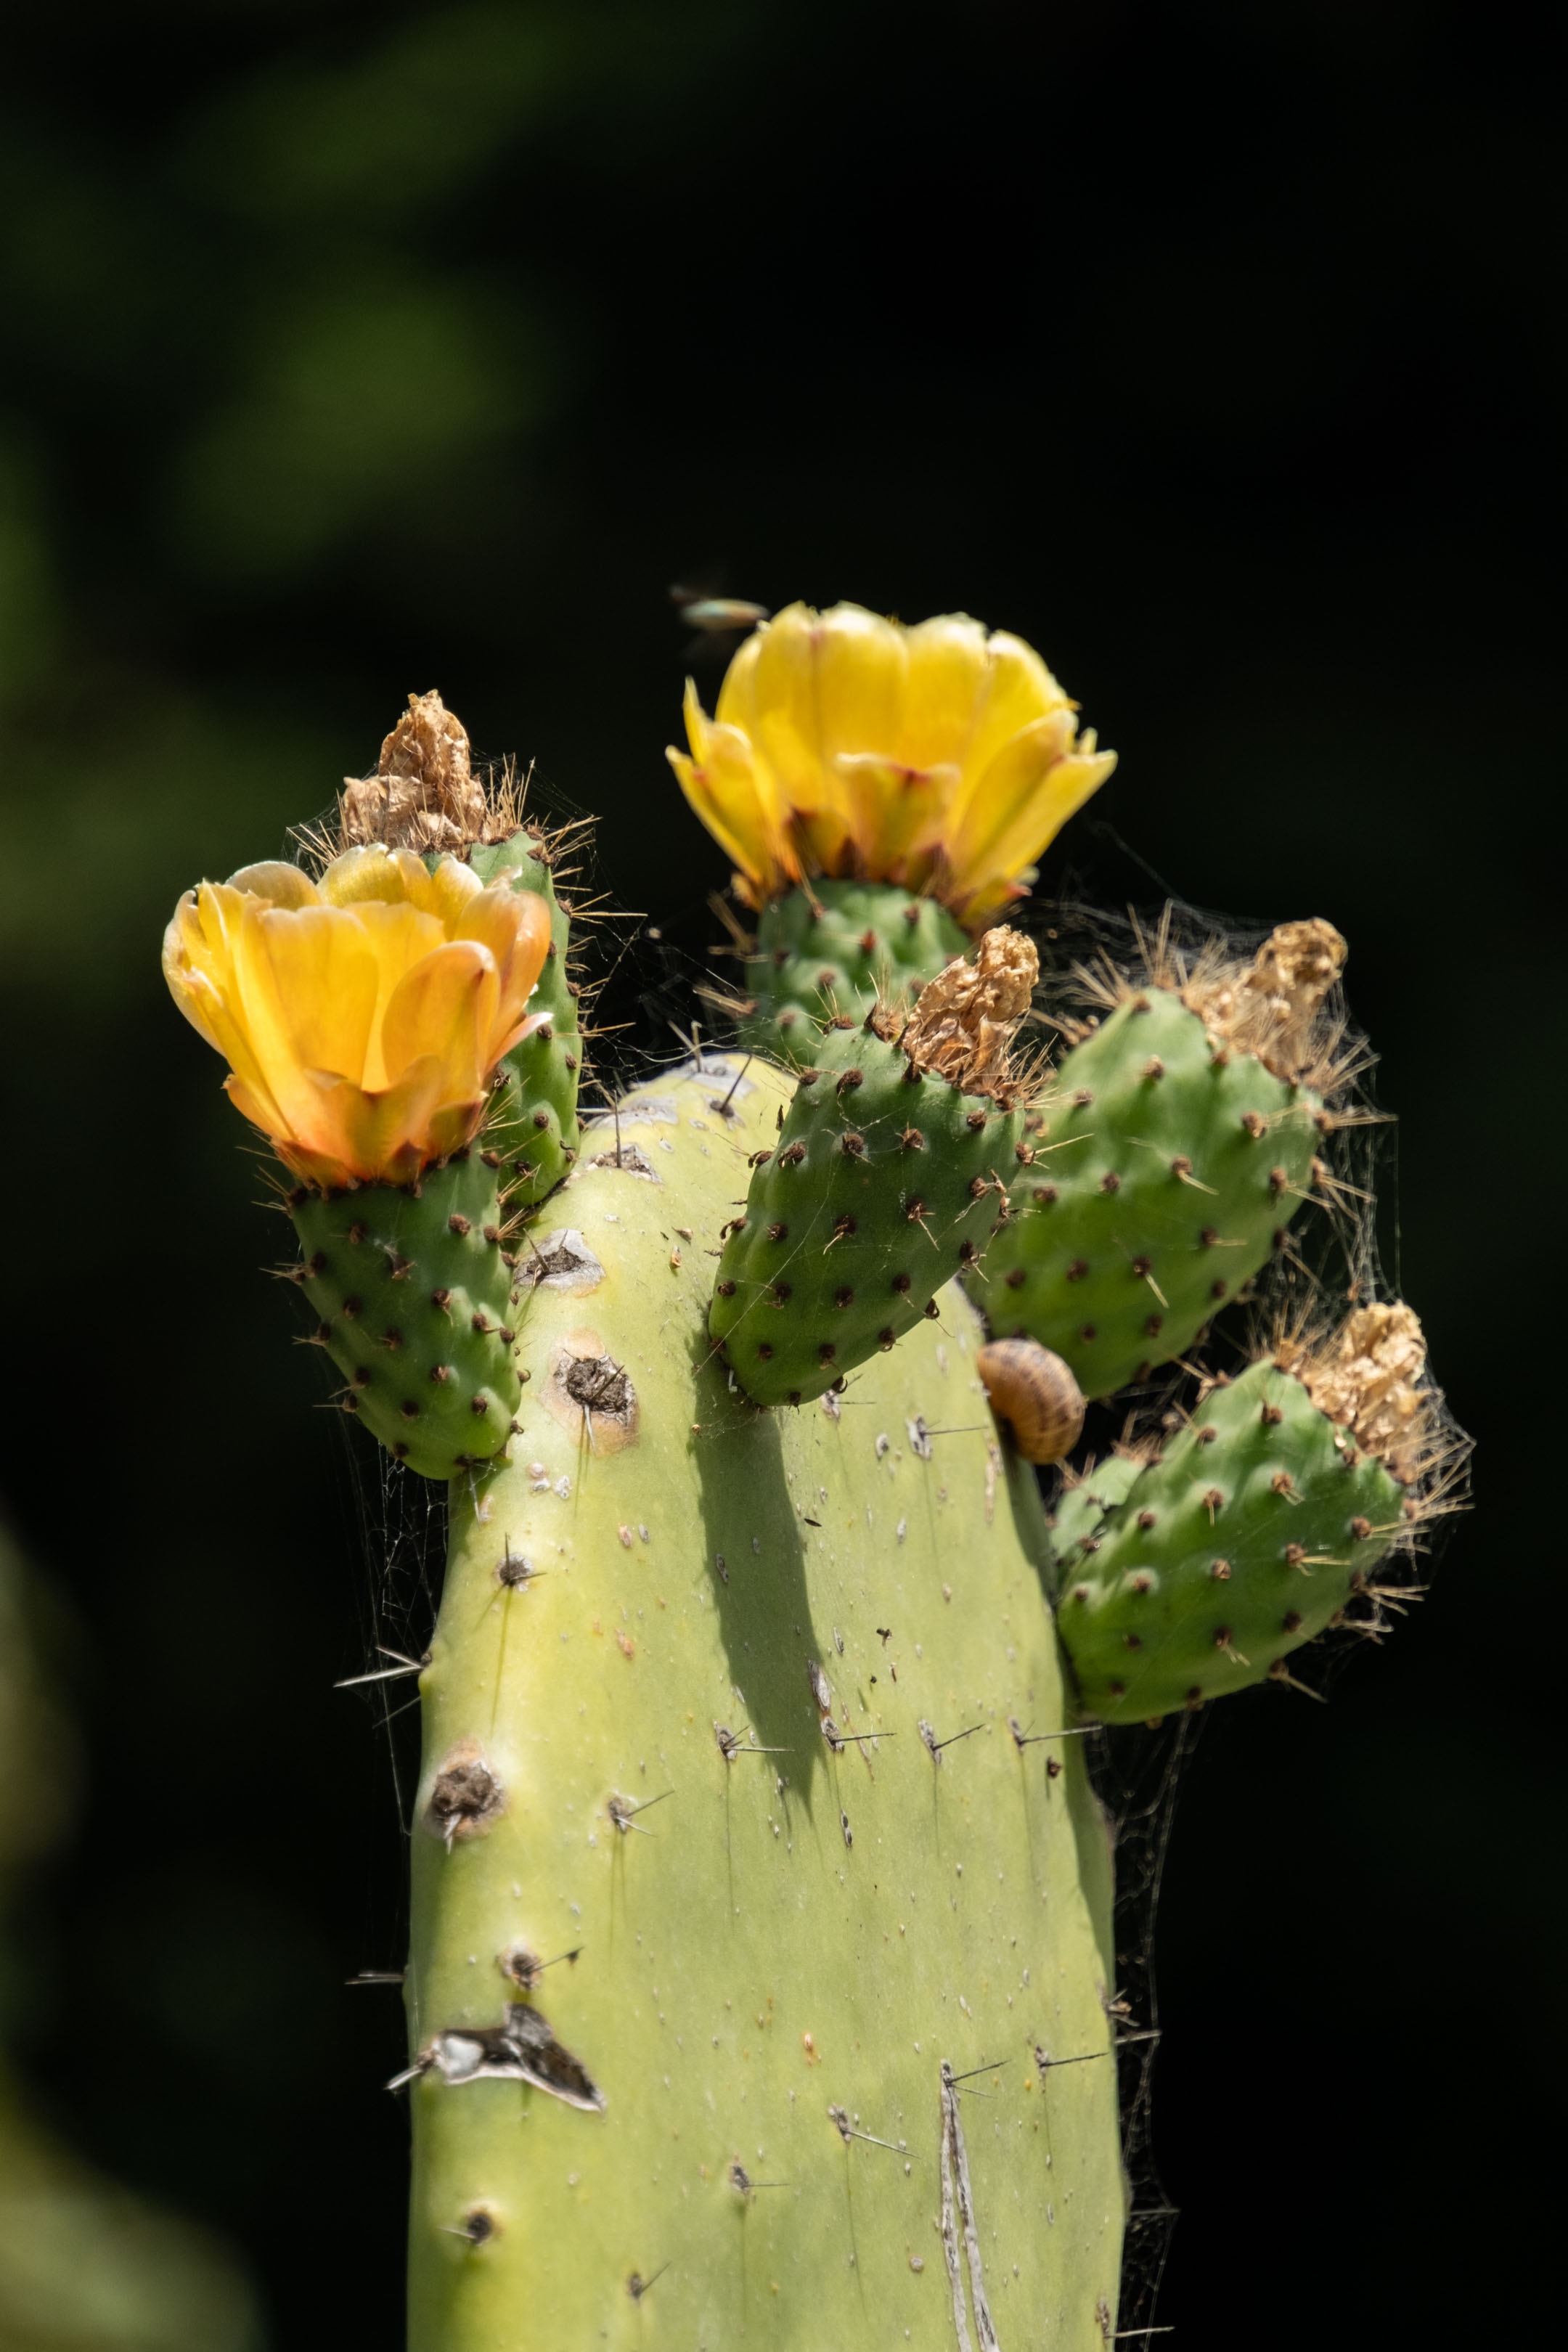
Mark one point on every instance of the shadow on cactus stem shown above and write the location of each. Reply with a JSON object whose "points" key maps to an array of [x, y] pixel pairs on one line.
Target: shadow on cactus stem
{"points": [[763, 1617], [84, 2267]]}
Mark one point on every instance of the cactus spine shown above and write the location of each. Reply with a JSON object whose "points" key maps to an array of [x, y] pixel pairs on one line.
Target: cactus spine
{"points": [[777, 1951]]}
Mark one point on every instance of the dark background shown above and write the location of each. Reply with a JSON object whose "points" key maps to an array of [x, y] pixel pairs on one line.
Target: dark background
{"points": [[1216, 346]]}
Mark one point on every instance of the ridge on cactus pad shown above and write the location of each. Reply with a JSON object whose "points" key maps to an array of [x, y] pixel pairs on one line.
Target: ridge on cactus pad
{"points": [[1177, 1145], [885, 1179]]}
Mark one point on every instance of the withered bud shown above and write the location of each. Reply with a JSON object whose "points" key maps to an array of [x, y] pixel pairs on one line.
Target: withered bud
{"points": [[967, 1017]]}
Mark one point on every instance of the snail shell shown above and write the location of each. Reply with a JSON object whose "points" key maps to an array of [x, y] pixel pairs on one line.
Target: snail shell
{"points": [[1035, 1394]]}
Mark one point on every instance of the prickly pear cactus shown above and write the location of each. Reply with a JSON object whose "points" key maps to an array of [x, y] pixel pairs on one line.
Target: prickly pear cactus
{"points": [[533, 1123], [736, 1868], [684, 1718], [414, 1290], [838, 947], [1178, 1144], [1246, 1534]]}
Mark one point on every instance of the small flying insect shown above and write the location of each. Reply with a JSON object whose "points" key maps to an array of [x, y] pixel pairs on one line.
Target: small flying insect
{"points": [[718, 622]]}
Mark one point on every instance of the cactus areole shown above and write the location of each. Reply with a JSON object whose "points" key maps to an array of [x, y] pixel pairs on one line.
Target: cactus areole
{"points": [[755, 1832]]}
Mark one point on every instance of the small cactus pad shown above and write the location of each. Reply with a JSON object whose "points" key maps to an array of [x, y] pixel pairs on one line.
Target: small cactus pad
{"points": [[1085, 1500], [886, 1179], [414, 1297], [533, 1123], [1164, 1169], [836, 951], [1227, 1551]]}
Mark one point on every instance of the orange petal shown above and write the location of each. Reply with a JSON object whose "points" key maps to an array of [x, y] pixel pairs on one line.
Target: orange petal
{"points": [[328, 983], [514, 925], [444, 1009]]}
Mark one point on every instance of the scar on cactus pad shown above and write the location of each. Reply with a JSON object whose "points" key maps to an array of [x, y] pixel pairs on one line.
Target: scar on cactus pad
{"points": [[788, 1937]]}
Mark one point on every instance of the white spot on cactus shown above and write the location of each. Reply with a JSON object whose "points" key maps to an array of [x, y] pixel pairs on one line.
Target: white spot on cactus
{"points": [[900, 1530], [564, 1488], [881, 1443]]}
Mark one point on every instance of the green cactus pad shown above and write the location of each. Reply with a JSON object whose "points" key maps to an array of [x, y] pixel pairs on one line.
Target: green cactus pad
{"points": [[1085, 1500], [770, 1949], [1160, 1182], [1238, 1544], [534, 1122], [882, 1184], [415, 1300], [858, 939]]}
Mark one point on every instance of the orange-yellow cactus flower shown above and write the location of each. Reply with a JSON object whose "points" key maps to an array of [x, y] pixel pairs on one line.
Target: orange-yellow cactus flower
{"points": [[938, 756], [361, 1015]]}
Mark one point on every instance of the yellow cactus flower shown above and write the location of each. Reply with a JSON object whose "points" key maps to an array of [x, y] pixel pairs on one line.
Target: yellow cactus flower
{"points": [[361, 1015], [937, 756]]}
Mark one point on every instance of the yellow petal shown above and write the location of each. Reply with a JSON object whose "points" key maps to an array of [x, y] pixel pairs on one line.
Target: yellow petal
{"points": [[1019, 690], [327, 983], [400, 936], [862, 674], [449, 892], [1023, 804], [269, 1055], [736, 705], [947, 679], [374, 872], [514, 925], [893, 809], [279, 884], [787, 723], [735, 796], [444, 1007]]}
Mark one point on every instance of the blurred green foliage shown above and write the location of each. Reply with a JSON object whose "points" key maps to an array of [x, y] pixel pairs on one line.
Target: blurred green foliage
{"points": [[349, 348]]}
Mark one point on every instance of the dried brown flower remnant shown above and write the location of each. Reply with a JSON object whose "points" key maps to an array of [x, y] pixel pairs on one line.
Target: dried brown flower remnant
{"points": [[1366, 1380], [424, 794], [1270, 1007], [967, 1017]]}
